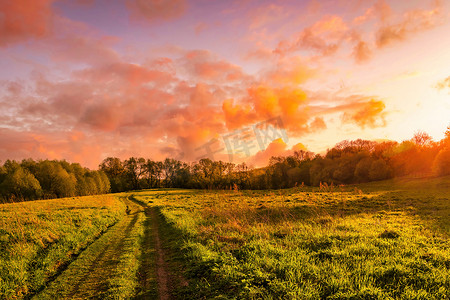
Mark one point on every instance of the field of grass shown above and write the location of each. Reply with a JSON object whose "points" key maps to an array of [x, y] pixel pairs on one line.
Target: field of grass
{"points": [[39, 238], [383, 240], [108, 268]]}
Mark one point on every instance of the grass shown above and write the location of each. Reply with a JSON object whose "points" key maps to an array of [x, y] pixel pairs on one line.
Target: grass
{"points": [[384, 240], [39, 238], [108, 268]]}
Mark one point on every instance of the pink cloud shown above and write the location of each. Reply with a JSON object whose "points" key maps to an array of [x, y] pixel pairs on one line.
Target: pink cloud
{"points": [[156, 10], [83, 49], [413, 21], [21, 20], [361, 51], [265, 15], [380, 10], [323, 37], [203, 65], [200, 27]]}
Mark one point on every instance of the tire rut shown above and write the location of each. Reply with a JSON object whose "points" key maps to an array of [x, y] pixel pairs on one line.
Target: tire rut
{"points": [[161, 265], [100, 258], [88, 276], [103, 265]]}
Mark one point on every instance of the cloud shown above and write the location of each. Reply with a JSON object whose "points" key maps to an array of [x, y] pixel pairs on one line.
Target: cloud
{"points": [[21, 20], [237, 115], [200, 27], [70, 145], [443, 84], [203, 65], [370, 114], [380, 10], [156, 10], [109, 106], [413, 21], [289, 71], [379, 25], [323, 37], [361, 110], [275, 149], [265, 15], [318, 124], [361, 51], [264, 102], [82, 49]]}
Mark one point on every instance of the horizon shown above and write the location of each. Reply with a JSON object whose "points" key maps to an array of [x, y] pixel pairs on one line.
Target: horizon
{"points": [[89, 79]]}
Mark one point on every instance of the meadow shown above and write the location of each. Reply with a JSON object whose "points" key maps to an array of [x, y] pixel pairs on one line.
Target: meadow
{"points": [[383, 240], [39, 238]]}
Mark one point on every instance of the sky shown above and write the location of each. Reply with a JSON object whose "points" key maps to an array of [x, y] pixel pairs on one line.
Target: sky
{"points": [[83, 80]]}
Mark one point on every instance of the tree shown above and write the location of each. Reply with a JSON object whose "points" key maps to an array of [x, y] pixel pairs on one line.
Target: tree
{"points": [[21, 184], [150, 172], [114, 169], [134, 169], [55, 180], [446, 140], [422, 139], [379, 170], [441, 165], [105, 184], [363, 168]]}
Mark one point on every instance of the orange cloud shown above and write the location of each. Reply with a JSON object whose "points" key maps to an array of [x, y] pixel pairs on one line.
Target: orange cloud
{"points": [[318, 124], [291, 71], [276, 148], [332, 26], [264, 102], [22, 19], [156, 10], [443, 84], [364, 114]]}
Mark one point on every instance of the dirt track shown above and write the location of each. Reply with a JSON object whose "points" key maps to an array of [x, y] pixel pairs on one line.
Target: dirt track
{"points": [[88, 275]]}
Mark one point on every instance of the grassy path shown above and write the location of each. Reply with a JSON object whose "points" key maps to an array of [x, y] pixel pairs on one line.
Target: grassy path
{"points": [[161, 265], [118, 264]]}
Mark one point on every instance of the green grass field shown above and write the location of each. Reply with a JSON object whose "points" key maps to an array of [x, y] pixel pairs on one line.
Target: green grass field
{"points": [[38, 238], [383, 240]]}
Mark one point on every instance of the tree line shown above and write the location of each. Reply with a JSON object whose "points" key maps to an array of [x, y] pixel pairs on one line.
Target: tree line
{"points": [[45, 179], [347, 162]]}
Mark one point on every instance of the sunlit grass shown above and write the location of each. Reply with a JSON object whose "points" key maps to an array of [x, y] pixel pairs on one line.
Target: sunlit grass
{"points": [[38, 238], [373, 241]]}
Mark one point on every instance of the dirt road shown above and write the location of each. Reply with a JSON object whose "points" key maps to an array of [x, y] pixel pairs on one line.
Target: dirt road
{"points": [[88, 277]]}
